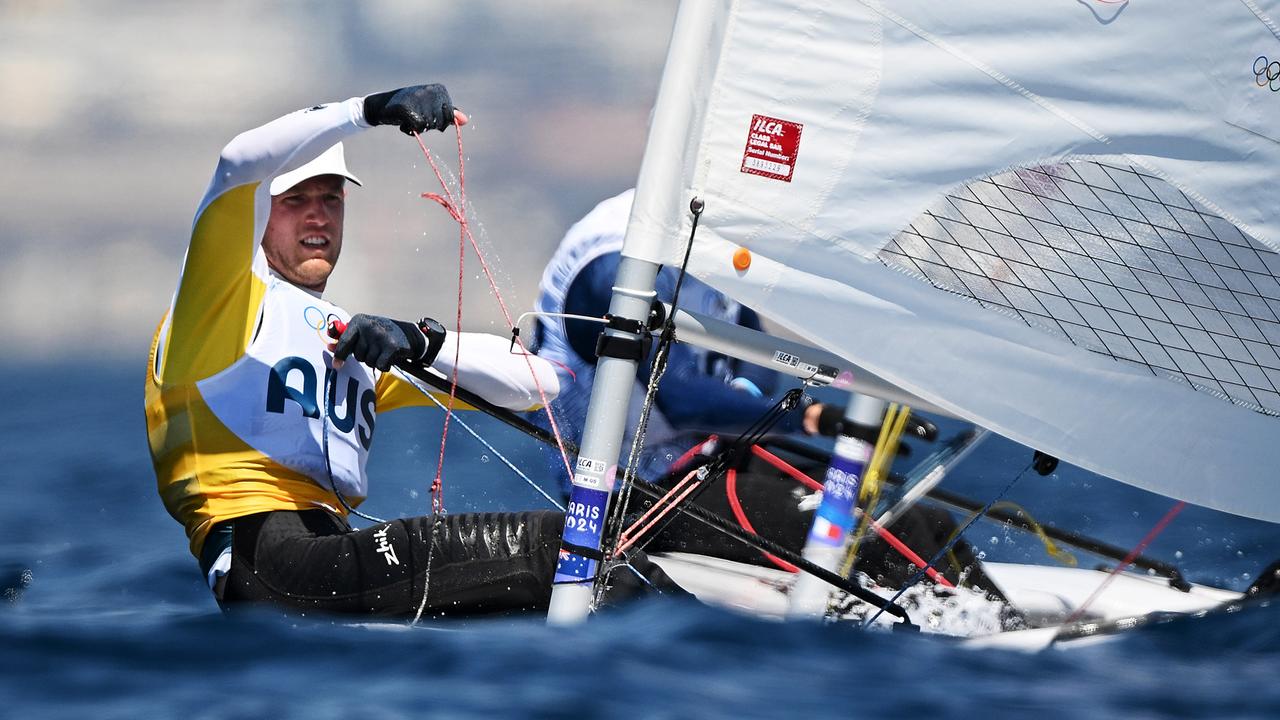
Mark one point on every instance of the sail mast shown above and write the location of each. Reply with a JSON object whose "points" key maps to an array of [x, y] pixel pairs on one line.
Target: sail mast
{"points": [[657, 196]]}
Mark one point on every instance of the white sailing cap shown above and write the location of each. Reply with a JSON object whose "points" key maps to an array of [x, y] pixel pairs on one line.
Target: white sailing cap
{"points": [[330, 162]]}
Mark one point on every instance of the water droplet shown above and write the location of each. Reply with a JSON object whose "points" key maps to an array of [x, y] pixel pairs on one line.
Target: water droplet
{"points": [[982, 554], [994, 540], [1177, 555], [484, 458]]}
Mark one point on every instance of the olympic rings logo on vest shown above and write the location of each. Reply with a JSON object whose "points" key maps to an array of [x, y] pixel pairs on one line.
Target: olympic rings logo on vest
{"points": [[1266, 73], [318, 320]]}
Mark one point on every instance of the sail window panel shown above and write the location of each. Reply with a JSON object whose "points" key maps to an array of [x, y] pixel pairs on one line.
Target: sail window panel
{"points": [[1237, 282], [1247, 258], [929, 226], [1069, 286], [1224, 300], [1093, 175], [958, 233], [1189, 364], [1264, 354], [1181, 244], [1083, 267], [1168, 264], [1155, 285], [955, 257], [1155, 213], [1179, 313], [981, 288], [1253, 377], [1107, 296], [1143, 234], [1045, 258], [1046, 324], [1233, 349], [1015, 226], [1133, 327], [943, 277], [1132, 255], [1021, 299], [1120, 206], [1169, 195], [1207, 383], [1270, 330], [1060, 308], [1106, 225], [1268, 400], [1211, 320], [992, 196], [1239, 393], [1121, 277], [1201, 342], [994, 267], [1097, 318], [1081, 196], [1027, 204], [1129, 182], [914, 246], [1190, 293], [1143, 304], [1190, 222], [1254, 306], [1056, 236], [1222, 370], [1119, 346], [1215, 252], [1271, 260], [1068, 215], [1034, 278], [1268, 287], [1203, 274], [1094, 245], [1273, 376], [1006, 246], [1155, 356], [977, 214], [1245, 328], [1084, 337], [1040, 182], [1168, 335], [1223, 231]]}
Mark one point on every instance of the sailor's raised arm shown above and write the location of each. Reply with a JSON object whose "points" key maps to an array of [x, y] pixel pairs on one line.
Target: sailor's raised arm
{"points": [[291, 141]]}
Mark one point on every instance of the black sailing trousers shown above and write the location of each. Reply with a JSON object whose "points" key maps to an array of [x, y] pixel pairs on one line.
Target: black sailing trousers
{"points": [[311, 560]]}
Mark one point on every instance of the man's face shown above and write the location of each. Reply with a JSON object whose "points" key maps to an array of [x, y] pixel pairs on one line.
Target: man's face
{"points": [[304, 234]]}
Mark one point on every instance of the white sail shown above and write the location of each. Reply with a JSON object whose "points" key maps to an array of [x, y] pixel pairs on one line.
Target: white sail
{"points": [[1056, 219]]}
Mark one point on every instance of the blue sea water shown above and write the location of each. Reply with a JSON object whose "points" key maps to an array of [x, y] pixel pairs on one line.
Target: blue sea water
{"points": [[105, 614]]}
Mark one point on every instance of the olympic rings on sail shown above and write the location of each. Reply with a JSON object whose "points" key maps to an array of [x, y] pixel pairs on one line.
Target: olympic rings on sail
{"points": [[1267, 73]]}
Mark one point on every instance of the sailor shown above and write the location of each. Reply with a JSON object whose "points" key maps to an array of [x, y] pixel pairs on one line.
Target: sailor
{"points": [[258, 429], [700, 393]]}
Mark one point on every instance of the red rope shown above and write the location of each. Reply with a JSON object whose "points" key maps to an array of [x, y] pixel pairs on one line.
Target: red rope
{"points": [[1135, 552], [455, 205], [785, 467], [731, 490], [662, 507]]}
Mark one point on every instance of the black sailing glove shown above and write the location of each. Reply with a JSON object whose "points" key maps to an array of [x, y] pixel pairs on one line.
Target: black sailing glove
{"points": [[382, 342], [414, 109]]}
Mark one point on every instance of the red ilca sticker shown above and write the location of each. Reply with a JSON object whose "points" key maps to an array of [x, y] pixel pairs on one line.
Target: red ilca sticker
{"points": [[772, 145]]}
